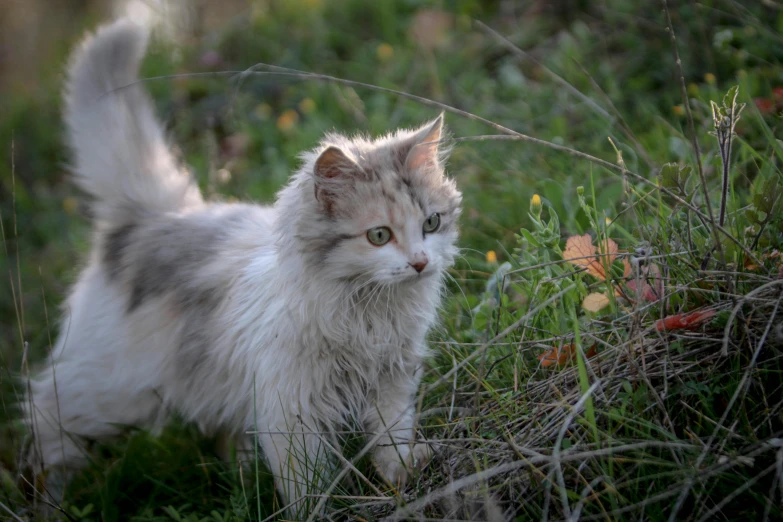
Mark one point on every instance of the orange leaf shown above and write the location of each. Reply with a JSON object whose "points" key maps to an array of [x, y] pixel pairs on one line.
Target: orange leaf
{"points": [[560, 356], [580, 251], [627, 270], [608, 250], [556, 355], [684, 321]]}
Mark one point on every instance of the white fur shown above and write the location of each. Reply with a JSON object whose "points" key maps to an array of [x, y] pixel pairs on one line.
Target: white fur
{"points": [[282, 334]]}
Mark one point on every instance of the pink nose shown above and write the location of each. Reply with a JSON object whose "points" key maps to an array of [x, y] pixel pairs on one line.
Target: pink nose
{"points": [[419, 265]]}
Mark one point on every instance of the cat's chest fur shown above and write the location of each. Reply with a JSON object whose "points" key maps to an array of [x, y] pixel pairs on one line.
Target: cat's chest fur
{"points": [[333, 343]]}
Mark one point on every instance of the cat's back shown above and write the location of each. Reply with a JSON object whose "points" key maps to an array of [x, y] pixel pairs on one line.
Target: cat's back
{"points": [[187, 258]]}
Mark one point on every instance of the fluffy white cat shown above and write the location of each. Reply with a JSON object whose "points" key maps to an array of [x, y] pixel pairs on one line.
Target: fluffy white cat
{"points": [[285, 321]]}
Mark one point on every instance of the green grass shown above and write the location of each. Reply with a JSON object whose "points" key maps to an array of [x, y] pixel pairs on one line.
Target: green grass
{"points": [[672, 427]]}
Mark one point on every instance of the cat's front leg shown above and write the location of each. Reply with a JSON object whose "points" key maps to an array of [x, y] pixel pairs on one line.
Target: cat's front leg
{"points": [[297, 456], [392, 416]]}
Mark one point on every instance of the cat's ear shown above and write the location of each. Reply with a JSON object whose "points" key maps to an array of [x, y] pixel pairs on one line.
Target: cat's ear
{"points": [[424, 154], [333, 171]]}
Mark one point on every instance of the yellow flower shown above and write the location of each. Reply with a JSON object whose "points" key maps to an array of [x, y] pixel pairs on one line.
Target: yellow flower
{"points": [[70, 205], [384, 52], [492, 257], [535, 205], [608, 221], [678, 110], [710, 78], [307, 106], [287, 120]]}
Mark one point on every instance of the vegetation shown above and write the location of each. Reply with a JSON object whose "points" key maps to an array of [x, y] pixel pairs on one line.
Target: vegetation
{"points": [[611, 347]]}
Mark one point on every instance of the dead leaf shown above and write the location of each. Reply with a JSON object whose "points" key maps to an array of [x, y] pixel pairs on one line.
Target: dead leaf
{"points": [[580, 251], [595, 302], [627, 270], [555, 355], [641, 288], [608, 251], [560, 356], [684, 321]]}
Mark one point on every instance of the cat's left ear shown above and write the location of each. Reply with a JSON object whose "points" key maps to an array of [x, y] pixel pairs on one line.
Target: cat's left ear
{"points": [[426, 147], [334, 171]]}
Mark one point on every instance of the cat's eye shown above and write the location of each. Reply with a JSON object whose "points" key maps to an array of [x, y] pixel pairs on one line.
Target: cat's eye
{"points": [[379, 236], [432, 223]]}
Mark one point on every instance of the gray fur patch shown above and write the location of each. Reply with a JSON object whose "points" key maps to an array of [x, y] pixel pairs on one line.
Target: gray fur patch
{"points": [[411, 190], [164, 256], [114, 247], [178, 257], [193, 351], [318, 248], [169, 259]]}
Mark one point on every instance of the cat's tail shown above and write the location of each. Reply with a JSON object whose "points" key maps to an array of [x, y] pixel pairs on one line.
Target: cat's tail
{"points": [[120, 151]]}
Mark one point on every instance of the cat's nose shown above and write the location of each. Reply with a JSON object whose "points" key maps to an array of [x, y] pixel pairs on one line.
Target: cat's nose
{"points": [[419, 263], [419, 266]]}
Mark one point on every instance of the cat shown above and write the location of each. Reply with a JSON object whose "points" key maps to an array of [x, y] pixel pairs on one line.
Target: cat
{"points": [[284, 321]]}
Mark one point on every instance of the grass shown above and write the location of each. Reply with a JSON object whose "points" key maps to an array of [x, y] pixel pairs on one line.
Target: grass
{"points": [[536, 407]]}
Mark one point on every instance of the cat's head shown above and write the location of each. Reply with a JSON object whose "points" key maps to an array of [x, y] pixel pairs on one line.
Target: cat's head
{"points": [[378, 210]]}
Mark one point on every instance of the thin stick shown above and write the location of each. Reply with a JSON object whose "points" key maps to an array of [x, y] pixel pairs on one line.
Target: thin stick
{"points": [[8, 510]]}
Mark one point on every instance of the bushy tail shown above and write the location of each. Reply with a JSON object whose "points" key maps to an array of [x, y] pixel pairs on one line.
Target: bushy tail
{"points": [[121, 154]]}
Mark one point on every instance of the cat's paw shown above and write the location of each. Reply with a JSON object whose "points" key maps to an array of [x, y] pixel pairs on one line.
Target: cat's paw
{"points": [[395, 463]]}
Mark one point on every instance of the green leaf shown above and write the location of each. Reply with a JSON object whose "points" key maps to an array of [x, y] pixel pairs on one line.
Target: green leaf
{"points": [[674, 177], [530, 239], [769, 196]]}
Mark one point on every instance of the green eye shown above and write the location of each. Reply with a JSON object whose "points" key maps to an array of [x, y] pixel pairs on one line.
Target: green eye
{"points": [[379, 236], [432, 223]]}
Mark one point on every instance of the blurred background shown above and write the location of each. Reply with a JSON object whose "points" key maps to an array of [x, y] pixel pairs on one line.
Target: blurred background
{"points": [[571, 72]]}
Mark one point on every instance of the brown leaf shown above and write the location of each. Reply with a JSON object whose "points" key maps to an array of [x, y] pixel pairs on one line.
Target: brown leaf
{"points": [[556, 355], [627, 270], [560, 356], [608, 251], [595, 302], [641, 288], [580, 251], [684, 321]]}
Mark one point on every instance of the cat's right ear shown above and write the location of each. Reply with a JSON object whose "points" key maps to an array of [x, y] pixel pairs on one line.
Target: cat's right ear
{"points": [[334, 171]]}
